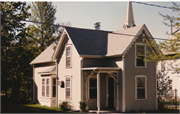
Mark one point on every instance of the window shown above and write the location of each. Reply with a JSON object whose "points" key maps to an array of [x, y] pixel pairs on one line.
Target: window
{"points": [[43, 87], [47, 87], [54, 87], [93, 88], [140, 53], [68, 56], [68, 87], [140, 87]]}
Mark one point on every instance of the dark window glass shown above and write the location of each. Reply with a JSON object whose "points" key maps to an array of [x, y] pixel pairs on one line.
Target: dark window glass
{"points": [[140, 88], [93, 88], [141, 94], [140, 52], [54, 87], [93, 93]]}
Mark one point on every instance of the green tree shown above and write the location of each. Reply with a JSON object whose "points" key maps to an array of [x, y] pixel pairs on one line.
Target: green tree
{"points": [[43, 34], [170, 48], [16, 52]]}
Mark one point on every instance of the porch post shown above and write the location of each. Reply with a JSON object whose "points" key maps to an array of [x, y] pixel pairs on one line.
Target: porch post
{"points": [[98, 91]]}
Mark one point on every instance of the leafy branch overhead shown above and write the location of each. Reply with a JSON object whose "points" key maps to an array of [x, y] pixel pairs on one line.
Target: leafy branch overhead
{"points": [[43, 34], [170, 49]]}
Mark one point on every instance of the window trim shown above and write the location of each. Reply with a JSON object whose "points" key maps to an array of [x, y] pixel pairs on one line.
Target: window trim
{"points": [[68, 77], [139, 76], [145, 63], [69, 46]]}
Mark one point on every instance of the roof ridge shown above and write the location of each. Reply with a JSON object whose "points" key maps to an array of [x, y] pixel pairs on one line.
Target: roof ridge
{"points": [[90, 29]]}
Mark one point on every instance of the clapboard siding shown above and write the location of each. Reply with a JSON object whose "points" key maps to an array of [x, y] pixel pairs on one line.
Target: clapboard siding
{"points": [[130, 72], [74, 72]]}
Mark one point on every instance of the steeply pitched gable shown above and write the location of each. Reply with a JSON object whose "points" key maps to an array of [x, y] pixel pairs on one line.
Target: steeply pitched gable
{"points": [[46, 55]]}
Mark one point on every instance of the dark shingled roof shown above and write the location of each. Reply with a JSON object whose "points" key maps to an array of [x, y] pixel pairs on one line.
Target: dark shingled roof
{"points": [[89, 42]]}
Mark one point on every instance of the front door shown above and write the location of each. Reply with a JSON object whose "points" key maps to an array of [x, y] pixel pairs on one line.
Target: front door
{"points": [[110, 92]]}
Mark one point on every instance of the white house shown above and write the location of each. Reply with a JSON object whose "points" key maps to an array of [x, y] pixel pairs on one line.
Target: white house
{"points": [[98, 67], [171, 67]]}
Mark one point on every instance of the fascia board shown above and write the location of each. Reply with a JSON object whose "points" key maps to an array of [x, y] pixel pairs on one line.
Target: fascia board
{"points": [[41, 62], [132, 42], [59, 44]]}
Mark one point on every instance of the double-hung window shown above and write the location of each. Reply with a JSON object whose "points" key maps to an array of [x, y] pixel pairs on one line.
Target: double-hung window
{"points": [[47, 87], [68, 56], [68, 87], [54, 87], [43, 87], [93, 88], [140, 55], [140, 87]]}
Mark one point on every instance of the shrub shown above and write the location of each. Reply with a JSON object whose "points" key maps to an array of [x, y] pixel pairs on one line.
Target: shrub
{"points": [[65, 106], [82, 106]]}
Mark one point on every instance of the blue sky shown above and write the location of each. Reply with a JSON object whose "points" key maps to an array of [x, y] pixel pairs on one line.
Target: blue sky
{"points": [[112, 15]]}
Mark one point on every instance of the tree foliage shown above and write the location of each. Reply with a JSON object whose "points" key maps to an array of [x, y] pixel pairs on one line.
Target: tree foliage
{"points": [[163, 83], [16, 52], [170, 48], [43, 34]]}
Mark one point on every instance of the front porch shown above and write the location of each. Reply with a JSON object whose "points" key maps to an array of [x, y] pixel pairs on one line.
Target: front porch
{"points": [[101, 89]]}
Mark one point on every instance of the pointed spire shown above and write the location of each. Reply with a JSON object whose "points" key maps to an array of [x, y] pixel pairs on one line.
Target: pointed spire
{"points": [[129, 17]]}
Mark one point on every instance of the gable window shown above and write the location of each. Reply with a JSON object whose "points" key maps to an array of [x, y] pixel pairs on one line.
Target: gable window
{"points": [[43, 87], [54, 87], [68, 87], [47, 87], [68, 56], [93, 88], [140, 87], [140, 53]]}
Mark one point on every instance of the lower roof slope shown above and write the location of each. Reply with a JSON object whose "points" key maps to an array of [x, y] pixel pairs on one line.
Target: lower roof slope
{"points": [[46, 55]]}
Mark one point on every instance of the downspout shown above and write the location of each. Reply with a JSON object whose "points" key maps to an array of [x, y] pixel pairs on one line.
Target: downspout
{"points": [[33, 85], [123, 80]]}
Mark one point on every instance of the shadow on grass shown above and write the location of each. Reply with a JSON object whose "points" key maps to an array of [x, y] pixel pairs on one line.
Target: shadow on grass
{"points": [[23, 108], [8, 106]]}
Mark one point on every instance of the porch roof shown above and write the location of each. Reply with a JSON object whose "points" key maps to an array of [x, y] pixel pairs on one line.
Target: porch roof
{"points": [[51, 70], [101, 68]]}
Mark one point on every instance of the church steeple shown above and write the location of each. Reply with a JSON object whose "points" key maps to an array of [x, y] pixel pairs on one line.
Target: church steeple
{"points": [[129, 17]]}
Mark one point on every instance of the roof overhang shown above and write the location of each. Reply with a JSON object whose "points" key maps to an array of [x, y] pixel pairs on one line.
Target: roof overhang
{"points": [[41, 62], [100, 56], [102, 68], [49, 71]]}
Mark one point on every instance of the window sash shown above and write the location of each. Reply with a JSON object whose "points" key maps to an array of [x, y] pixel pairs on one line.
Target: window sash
{"points": [[43, 87], [141, 87], [68, 56], [93, 88], [68, 87], [140, 53], [54, 87], [47, 87]]}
